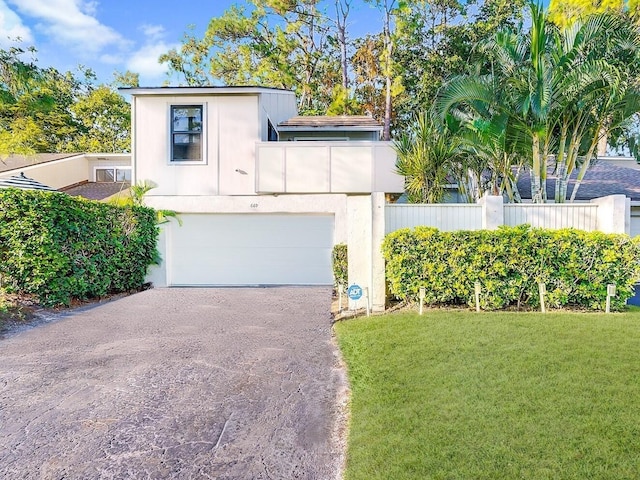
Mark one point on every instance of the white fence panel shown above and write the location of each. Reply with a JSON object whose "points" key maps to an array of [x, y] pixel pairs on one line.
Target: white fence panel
{"points": [[447, 217], [553, 216]]}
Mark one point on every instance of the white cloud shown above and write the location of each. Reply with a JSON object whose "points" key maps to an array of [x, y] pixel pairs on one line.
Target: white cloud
{"points": [[152, 32], [71, 23], [145, 60], [12, 27], [110, 58], [89, 7]]}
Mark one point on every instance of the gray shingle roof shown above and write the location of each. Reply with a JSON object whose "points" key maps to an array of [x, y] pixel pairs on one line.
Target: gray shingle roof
{"points": [[96, 191], [601, 179]]}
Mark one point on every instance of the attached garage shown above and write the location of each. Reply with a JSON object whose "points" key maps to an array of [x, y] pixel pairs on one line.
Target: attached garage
{"points": [[250, 249]]}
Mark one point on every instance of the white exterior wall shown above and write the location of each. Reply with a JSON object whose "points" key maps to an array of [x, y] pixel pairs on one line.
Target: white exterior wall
{"points": [[232, 126], [327, 167]]}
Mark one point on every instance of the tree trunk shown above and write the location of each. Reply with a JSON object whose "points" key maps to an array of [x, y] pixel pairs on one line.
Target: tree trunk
{"points": [[536, 169], [342, 13], [386, 132]]}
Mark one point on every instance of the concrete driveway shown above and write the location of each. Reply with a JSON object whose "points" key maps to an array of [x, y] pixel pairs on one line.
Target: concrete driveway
{"points": [[176, 383]]}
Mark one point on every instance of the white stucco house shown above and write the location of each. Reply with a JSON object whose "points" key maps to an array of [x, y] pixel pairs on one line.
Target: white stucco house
{"points": [[263, 194]]}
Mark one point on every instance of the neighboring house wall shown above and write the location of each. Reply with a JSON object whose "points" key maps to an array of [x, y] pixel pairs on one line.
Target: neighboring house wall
{"points": [[97, 161], [69, 171], [329, 136], [625, 162], [56, 174]]}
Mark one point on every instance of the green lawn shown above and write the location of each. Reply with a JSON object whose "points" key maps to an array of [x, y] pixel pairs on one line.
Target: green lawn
{"points": [[460, 395]]}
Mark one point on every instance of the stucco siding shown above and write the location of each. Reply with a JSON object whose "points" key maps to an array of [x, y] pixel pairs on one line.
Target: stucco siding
{"points": [[238, 132], [152, 145]]}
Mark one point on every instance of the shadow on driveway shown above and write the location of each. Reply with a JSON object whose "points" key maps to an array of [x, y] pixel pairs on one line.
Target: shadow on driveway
{"points": [[176, 383]]}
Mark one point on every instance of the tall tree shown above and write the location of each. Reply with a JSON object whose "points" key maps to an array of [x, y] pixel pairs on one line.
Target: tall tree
{"points": [[44, 110], [389, 10], [561, 91], [105, 122], [566, 12], [277, 43]]}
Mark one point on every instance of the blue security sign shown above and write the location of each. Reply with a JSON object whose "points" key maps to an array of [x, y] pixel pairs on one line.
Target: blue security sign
{"points": [[354, 292]]}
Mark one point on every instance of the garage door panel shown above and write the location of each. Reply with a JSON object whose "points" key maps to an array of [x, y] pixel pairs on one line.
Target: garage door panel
{"points": [[251, 250]]}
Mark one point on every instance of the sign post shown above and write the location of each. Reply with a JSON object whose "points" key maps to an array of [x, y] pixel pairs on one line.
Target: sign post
{"points": [[611, 292], [542, 289], [355, 293]]}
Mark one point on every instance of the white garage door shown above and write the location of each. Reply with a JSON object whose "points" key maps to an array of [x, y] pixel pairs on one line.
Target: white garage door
{"points": [[251, 249]]}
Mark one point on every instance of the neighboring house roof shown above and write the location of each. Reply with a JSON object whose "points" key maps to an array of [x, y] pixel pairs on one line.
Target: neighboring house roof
{"points": [[24, 183], [96, 191], [16, 162], [601, 179], [330, 122]]}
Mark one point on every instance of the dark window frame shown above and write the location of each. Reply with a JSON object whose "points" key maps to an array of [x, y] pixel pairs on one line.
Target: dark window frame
{"points": [[191, 151]]}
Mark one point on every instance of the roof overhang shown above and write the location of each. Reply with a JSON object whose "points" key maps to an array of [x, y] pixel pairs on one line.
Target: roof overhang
{"points": [[211, 90]]}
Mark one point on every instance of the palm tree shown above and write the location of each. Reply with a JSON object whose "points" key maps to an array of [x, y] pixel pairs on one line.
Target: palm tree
{"points": [[559, 92], [427, 153]]}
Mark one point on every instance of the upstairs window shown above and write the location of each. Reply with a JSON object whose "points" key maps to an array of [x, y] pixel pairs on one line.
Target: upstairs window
{"points": [[186, 133]]}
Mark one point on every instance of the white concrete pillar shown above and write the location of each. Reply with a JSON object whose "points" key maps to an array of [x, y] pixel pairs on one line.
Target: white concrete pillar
{"points": [[378, 282], [492, 211], [157, 274], [614, 214], [359, 220]]}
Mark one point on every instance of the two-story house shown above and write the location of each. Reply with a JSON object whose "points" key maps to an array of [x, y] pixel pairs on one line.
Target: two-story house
{"points": [[263, 194]]}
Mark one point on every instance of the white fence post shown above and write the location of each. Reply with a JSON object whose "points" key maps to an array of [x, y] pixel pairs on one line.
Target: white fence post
{"points": [[492, 212], [614, 214]]}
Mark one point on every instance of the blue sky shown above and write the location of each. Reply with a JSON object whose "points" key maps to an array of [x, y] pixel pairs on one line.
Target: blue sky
{"points": [[112, 35], [105, 35]]}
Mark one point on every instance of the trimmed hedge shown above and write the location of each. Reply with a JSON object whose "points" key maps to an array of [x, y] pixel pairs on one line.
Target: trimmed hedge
{"points": [[61, 248], [575, 265], [340, 264]]}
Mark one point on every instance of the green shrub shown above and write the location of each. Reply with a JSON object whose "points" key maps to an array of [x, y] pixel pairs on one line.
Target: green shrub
{"points": [[340, 264], [575, 265], [59, 247]]}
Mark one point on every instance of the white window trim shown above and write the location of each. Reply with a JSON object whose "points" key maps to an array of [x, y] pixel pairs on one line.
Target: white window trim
{"points": [[203, 138], [109, 167]]}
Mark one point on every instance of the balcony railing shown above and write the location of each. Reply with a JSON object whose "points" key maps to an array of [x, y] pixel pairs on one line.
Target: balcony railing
{"points": [[326, 167]]}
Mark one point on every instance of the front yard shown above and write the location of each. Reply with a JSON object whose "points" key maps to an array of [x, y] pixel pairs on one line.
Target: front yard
{"points": [[459, 395]]}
